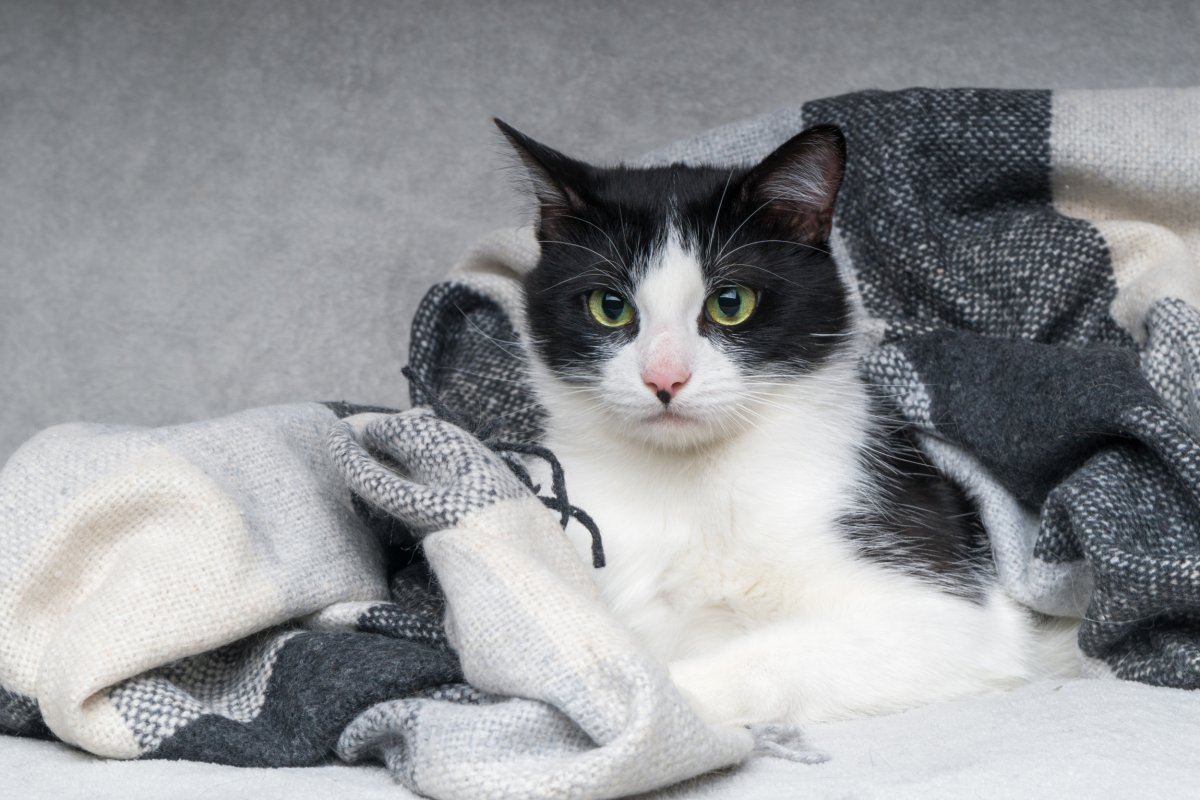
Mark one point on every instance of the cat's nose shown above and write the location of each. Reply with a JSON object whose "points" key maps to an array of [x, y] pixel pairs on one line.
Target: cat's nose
{"points": [[665, 383]]}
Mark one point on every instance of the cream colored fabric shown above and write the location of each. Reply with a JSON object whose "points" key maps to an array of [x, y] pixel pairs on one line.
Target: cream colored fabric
{"points": [[128, 549], [1128, 161]]}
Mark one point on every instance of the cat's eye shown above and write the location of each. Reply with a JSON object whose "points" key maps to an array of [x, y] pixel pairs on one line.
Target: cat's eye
{"points": [[731, 305], [609, 308]]}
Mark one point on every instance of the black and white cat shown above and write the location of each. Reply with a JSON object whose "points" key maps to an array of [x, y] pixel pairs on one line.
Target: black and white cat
{"points": [[786, 550]]}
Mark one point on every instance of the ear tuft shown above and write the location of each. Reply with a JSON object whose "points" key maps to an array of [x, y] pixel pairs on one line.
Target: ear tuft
{"points": [[799, 182], [552, 176]]}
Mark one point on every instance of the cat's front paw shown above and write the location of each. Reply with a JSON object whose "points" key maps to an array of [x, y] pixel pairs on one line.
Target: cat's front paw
{"points": [[726, 691], [711, 692]]}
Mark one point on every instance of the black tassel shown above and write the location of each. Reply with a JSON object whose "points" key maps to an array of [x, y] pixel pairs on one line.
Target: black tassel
{"points": [[557, 502]]}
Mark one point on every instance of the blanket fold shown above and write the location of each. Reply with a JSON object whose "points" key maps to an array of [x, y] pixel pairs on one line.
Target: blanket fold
{"points": [[152, 581], [294, 583], [527, 623]]}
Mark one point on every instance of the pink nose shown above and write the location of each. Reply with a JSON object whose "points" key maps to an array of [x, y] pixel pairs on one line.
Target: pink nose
{"points": [[665, 383]]}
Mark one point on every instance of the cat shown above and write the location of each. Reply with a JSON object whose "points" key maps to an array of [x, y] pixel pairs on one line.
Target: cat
{"points": [[771, 535]]}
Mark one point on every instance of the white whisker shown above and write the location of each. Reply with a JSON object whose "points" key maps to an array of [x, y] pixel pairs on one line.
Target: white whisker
{"points": [[717, 216]]}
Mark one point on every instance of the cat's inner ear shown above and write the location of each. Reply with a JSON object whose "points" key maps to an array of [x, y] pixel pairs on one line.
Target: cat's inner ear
{"points": [[552, 177], [798, 183]]}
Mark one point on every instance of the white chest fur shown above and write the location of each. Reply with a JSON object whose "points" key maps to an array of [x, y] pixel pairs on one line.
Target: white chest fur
{"points": [[705, 544]]}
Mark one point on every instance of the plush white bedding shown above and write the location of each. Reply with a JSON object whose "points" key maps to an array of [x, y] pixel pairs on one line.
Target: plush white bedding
{"points": [[1087, 738]]}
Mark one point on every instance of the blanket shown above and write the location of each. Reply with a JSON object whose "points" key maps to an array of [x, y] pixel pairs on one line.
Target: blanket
{"points": [[290, 583]]}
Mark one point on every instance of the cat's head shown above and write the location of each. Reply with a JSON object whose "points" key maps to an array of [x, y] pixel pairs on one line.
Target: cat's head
{"points": [[675, 305]]}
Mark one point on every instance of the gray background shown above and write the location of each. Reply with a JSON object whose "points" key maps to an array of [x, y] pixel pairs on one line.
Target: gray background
{"points": [[206, 206]]}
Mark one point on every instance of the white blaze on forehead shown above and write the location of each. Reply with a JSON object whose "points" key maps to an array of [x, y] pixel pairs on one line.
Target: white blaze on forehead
{"points": [[673, 289], [669, 300]]}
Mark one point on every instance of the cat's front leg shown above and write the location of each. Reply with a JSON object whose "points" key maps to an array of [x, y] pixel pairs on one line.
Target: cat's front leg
{"points": [[750, 681], [857, 662], [720, 696]]}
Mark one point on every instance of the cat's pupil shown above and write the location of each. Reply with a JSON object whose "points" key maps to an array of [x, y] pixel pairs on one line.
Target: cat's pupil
{"points": [[729, 301], [612, 305]]}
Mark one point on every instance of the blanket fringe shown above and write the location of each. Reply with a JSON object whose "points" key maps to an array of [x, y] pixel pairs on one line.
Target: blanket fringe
{"points": [[558, 500]]}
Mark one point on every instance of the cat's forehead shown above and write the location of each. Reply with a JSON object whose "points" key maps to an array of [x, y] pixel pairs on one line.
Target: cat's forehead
{"points": [[659, 219], [677, 187], [672, 286]]}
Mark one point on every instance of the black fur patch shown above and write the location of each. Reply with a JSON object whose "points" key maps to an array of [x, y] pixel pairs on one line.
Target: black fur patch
{"points": [[925, 525]]}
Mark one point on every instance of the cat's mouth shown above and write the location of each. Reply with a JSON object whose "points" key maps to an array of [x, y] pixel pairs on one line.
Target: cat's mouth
{"points": [[671, 417]]}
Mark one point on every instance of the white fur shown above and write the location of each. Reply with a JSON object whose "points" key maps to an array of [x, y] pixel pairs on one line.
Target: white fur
{"points": [[719, 521]]}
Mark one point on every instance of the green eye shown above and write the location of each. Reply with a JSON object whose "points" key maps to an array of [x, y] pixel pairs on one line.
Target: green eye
{"points": [[731, 305], [609, 308]]}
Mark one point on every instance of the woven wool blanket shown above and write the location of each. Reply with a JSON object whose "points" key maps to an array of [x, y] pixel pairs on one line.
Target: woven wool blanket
{"points": [[292, 583]]}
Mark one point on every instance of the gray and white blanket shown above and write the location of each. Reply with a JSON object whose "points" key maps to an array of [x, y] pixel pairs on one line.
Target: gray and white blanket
{"points": [[293, 583]]}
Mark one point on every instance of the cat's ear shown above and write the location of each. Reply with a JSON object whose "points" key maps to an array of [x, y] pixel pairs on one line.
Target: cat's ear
{"points": [[798, 183], [552, 176]]}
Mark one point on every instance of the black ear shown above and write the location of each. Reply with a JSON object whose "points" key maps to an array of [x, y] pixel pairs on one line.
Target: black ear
{"points": [[798, 183], [552, 176]]}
